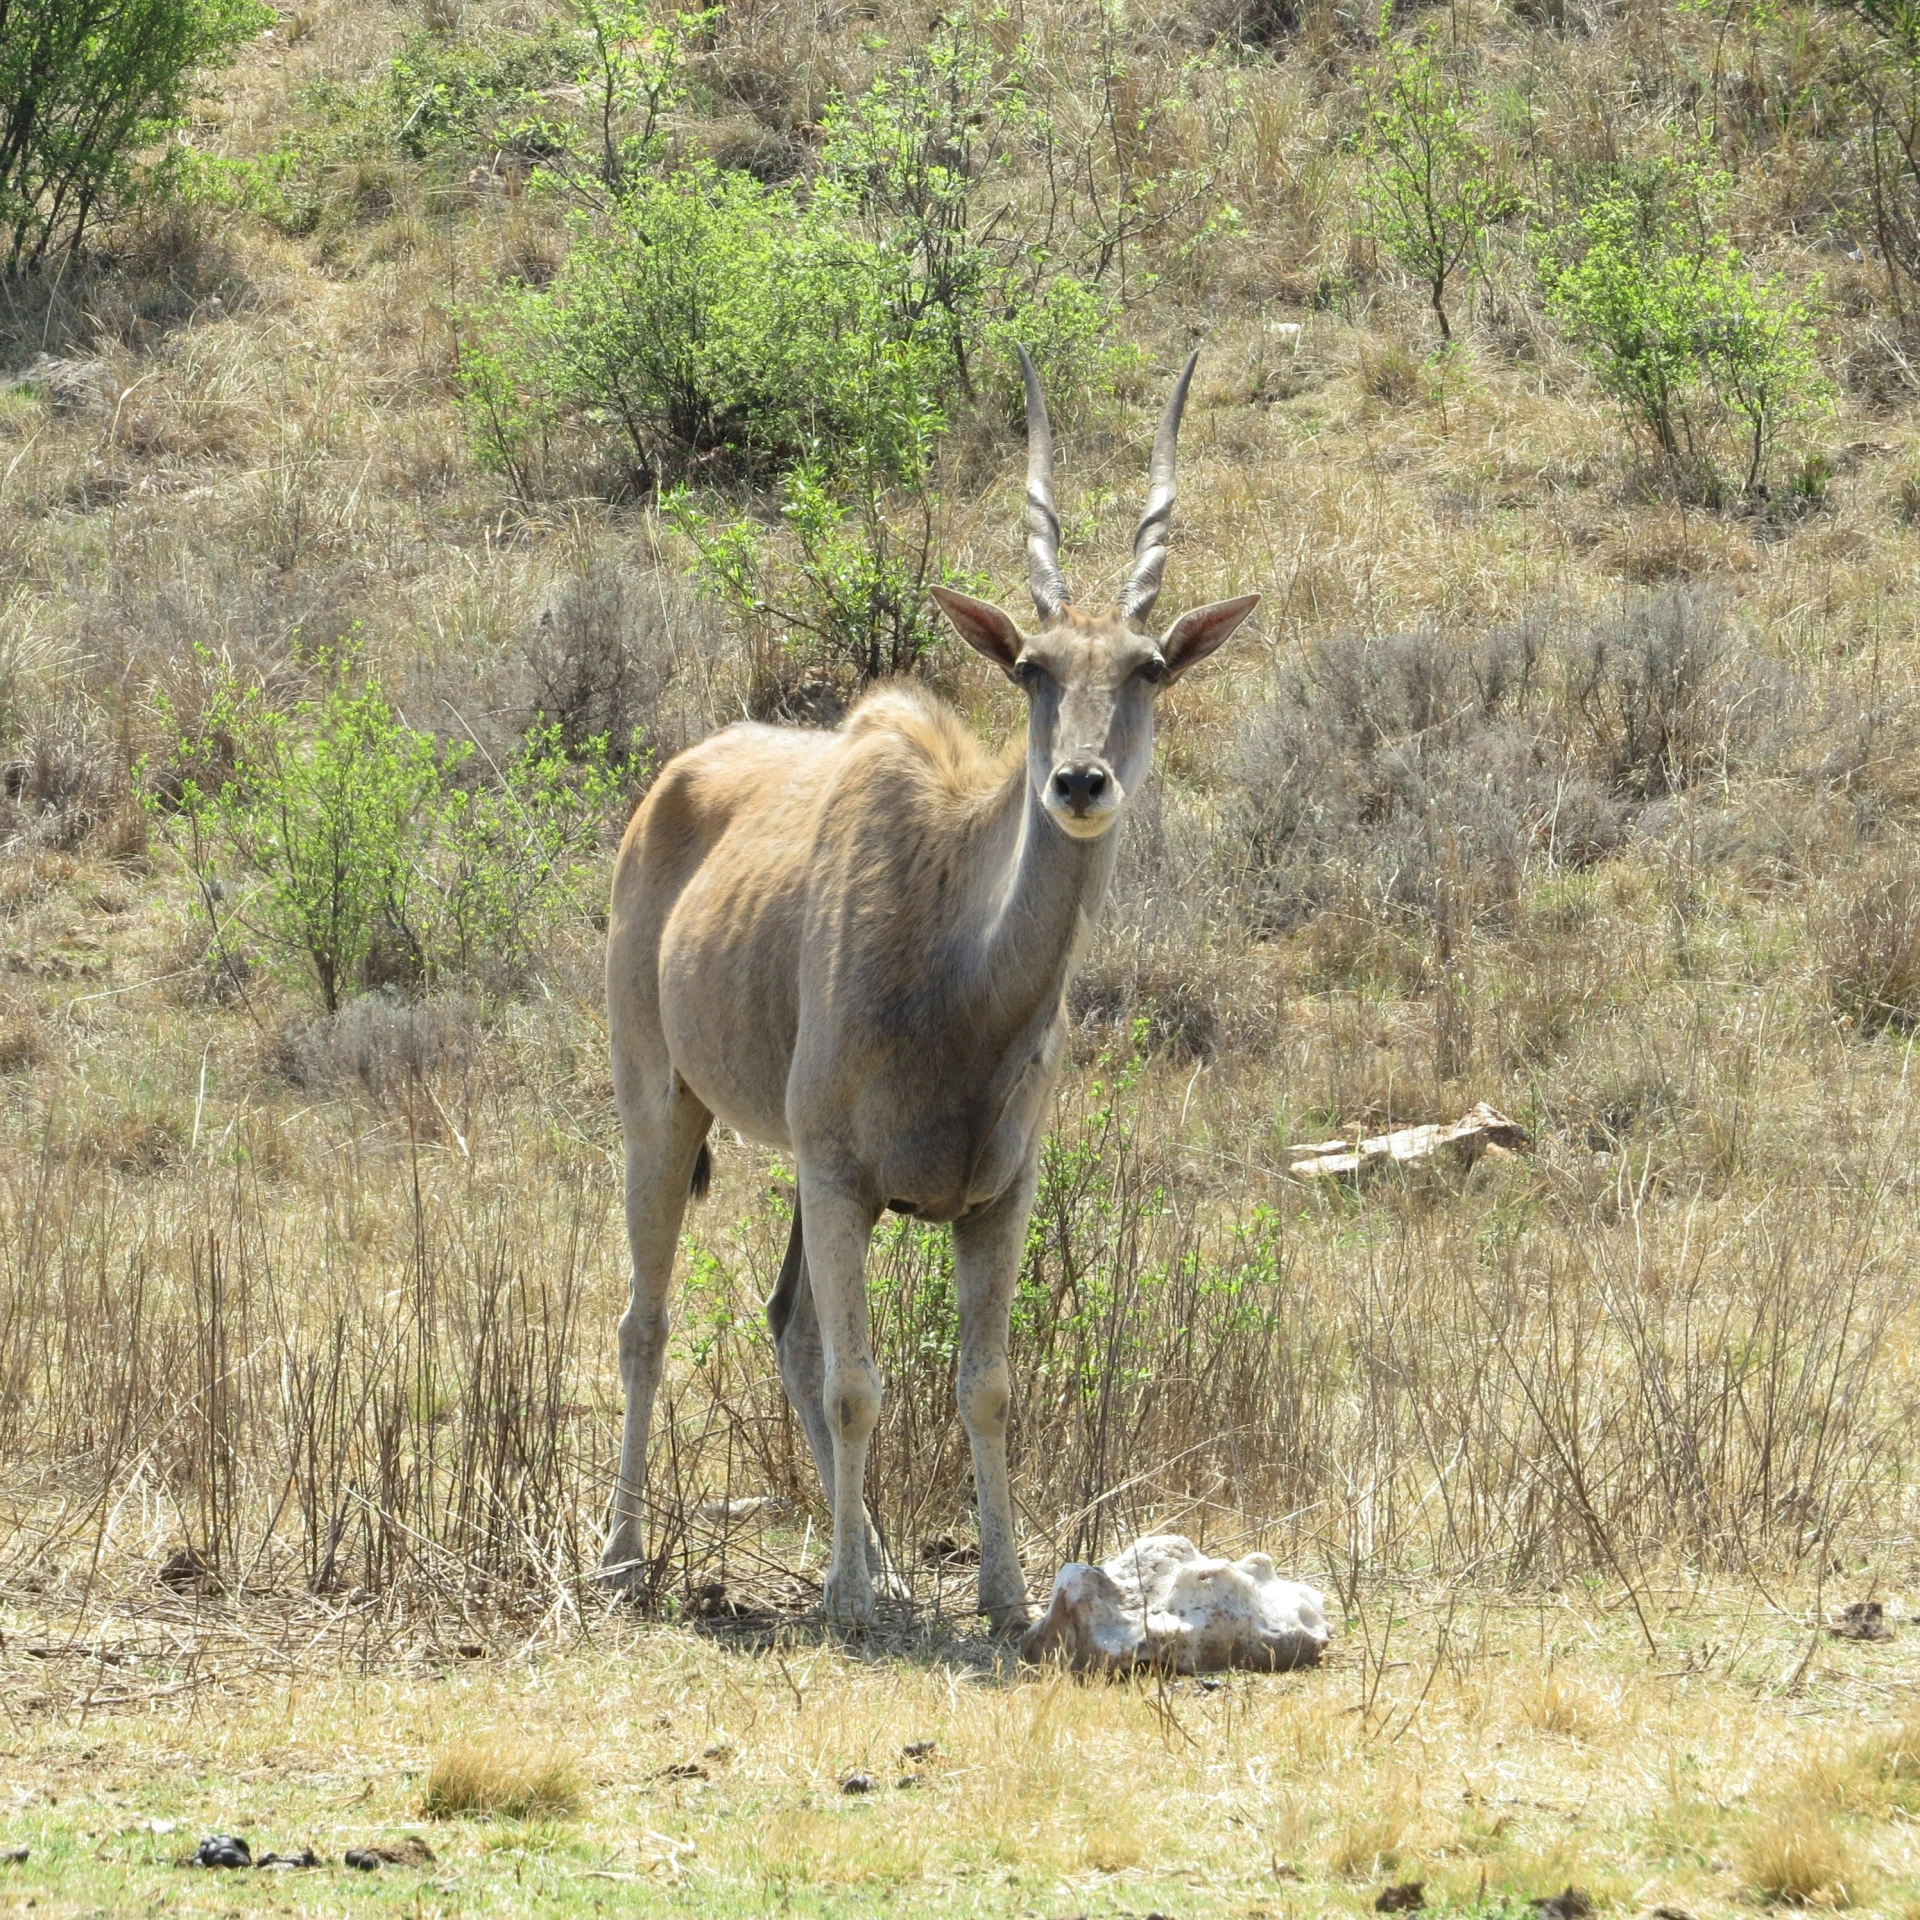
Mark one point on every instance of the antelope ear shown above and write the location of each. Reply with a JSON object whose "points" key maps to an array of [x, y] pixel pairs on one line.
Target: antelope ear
{"points": [[1195, 635], [982, 626]]}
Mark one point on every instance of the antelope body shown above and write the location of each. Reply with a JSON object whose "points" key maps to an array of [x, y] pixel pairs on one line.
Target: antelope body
{"points": [[854, 946]]}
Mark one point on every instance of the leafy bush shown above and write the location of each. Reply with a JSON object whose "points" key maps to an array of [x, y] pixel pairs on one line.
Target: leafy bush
{"points": [[514, 92], [729, 331], [323, 818], [732, 332], [1430, 191], [922, 163], [634, 72], [711, 316], [848, 565], [84, 85], [578, 104], [1882, 70], [467, 94], [354, 847], [1700, 353]]}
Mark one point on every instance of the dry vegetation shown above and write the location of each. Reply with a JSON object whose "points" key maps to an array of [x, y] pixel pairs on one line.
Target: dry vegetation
{"points": [[1534, 785]]}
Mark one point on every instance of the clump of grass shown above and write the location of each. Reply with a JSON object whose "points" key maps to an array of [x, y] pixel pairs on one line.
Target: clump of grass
{"points": [[1369, 1839], [1110, 1849], [1558, 1704], [1880, 1772], [1898, 1761], [1795, 1856], [1391, 373], [1872, 953], [499, 1777], [21, 1047]]}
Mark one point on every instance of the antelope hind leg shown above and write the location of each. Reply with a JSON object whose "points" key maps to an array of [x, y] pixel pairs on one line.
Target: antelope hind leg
{"points": [[803, 1368], [663, 1153], [986, 1251], [838, 1228]]}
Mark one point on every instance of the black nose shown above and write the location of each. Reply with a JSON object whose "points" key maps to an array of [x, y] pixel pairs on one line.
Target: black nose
{"points": [[1080, 786]]}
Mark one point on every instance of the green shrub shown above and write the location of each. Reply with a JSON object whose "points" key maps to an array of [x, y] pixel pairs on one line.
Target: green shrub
{"points": [[1429, 192], [318, 812], [350, 844], [634, 71], [574, 106], [847, 566], [1704, 357], [84, 86], [506, 856], [467, 94], [729, 332], [808, 346], [707, 315], [923, 164]]}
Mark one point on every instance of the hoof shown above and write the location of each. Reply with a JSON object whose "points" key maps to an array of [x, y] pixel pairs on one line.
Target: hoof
{"points": [[621, 1574], [849, 1606], [1008, 1621]]}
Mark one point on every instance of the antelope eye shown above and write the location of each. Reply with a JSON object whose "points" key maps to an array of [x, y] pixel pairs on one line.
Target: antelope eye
{"points": [[1154, 672], [1028, 673]]}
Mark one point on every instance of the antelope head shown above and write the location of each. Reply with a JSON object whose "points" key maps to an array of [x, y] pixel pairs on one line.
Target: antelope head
{"points": [[1091, 679]]}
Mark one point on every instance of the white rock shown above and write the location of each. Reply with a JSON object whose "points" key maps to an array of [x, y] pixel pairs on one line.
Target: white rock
{"points": [[1162, 1602]]}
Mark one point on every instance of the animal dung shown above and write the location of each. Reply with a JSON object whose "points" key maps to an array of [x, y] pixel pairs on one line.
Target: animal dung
{"points": [[1572, 1903], [1480, 1132], [858, 1783], [1861, 1620], [1405, 1896], [411, 1851], [223, 1850], [185, 1571], [1163, 1603]]}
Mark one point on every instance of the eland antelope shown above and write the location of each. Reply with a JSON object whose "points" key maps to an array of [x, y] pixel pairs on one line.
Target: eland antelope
{"points": [[854, 946]]}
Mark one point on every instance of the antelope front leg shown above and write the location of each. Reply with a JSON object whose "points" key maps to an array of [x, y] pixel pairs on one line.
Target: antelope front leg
{"points": [[661, 1150], [836, 1230], [986, 1249]]}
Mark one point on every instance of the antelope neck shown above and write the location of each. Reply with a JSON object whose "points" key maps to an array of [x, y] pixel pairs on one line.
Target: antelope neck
{"points": [[1050, 890]]}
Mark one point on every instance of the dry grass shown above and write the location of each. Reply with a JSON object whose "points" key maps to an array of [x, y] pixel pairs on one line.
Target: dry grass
{"points": [[1795, 1857], [1557, 1702], [713, 1764], [504, 1778], [1872, 950]]}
